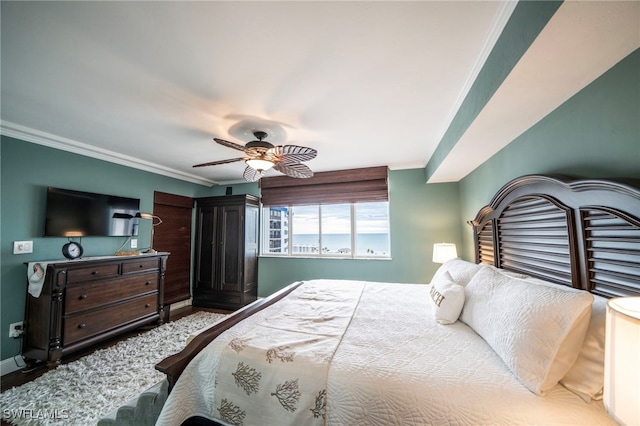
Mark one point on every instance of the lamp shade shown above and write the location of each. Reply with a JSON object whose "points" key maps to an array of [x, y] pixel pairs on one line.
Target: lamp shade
{"points": [[259, 165], [443, 252], [156, 220], [622, 360]]}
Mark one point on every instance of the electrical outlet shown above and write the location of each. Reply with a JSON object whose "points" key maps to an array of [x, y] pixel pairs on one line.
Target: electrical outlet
{"points": [[134, 243], [22, 247], [15, 330]]}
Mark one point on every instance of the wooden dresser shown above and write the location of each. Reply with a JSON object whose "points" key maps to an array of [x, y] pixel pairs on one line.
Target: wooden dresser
{"points": [[85, 301]]}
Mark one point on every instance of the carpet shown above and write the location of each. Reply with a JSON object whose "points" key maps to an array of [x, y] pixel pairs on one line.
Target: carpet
{"points": [[81, 392]]}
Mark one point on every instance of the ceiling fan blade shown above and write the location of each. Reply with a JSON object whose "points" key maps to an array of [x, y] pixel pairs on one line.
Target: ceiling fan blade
{"points": [[230, 144], [215, 163], [252, 175], [295, 170], [289, 154]]}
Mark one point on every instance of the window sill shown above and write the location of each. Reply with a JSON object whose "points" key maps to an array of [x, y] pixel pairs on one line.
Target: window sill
{"points": [[272, 256]]}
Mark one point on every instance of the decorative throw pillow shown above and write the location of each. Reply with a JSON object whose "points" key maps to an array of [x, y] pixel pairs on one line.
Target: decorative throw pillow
{"points": [[586, 377], [537, 330], [460, 270], [447, 299]]}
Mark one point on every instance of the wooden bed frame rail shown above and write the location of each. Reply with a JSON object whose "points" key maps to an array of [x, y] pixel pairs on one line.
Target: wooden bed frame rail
{"points": [[175, 364]]}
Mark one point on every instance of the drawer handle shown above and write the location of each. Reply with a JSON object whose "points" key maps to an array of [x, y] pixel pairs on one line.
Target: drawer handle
{"points": [[147, 305], [83, 296], [142, 266], [82, 325], [94, 273], [147, 283]]}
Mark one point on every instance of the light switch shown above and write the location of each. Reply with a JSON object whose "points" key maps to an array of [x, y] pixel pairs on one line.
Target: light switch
{"points": [[22, 247]]}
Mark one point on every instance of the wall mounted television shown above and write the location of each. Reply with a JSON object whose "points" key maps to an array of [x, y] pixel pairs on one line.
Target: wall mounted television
{"points": [[72, 213]]}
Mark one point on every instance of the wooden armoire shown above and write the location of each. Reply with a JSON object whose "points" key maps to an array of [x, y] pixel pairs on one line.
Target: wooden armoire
{"points": [[226, 257]]}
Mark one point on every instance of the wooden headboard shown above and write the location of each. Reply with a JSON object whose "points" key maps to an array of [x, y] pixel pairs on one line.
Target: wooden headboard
{"points": [[580, 233]]}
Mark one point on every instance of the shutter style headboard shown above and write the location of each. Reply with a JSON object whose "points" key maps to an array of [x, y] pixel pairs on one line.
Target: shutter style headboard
{"points": [[580, 233]]}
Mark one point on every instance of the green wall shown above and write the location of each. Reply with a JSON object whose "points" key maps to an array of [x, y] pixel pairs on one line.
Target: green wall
{"points": [[594, 134], [420, 215]]}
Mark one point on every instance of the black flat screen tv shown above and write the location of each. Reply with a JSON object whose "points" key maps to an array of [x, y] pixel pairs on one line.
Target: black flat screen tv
{"points": [[72, 213]]}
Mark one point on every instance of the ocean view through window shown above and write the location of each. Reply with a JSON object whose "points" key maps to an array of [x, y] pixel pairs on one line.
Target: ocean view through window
{"points": [[356, 230]]}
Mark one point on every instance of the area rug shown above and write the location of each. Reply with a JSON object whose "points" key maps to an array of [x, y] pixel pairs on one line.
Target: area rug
{"points": [[81, 392]]}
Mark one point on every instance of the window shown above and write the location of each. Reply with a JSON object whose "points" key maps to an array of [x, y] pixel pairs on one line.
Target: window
{"points": [[305, 225], [372, 229], [354, 230], [343, 213]]}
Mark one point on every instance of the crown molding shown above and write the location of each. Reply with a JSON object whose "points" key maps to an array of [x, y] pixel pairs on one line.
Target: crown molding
{"points": [[53, 141]]}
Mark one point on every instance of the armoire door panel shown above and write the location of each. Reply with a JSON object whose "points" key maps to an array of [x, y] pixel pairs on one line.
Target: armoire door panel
{"points": [[205, 249], [232, 234], [251, 247]]}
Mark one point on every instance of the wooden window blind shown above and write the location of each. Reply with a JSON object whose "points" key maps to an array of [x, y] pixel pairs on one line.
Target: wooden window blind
{"points": [[342, 186]]}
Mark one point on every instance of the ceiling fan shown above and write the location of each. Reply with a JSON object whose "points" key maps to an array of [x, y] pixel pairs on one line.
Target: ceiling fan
{"points": [[261, 156]]}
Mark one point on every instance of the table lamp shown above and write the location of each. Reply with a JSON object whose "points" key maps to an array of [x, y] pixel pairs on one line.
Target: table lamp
{"points": [[443, 252], [622, 360]]}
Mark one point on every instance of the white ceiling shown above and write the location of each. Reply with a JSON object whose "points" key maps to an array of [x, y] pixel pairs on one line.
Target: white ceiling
{"points": [[149, 84]]}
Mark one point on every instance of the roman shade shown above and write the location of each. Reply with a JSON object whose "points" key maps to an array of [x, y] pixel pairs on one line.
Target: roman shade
{"points": [[342, 186]]}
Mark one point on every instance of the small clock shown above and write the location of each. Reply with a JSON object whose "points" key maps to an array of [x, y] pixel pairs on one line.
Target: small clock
{"points": [[72, 250]]}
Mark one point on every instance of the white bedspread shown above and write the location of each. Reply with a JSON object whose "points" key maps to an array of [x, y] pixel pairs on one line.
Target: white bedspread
{"points": [[395, 365]]}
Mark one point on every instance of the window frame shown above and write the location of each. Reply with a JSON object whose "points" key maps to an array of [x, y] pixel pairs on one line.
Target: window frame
{"points": [[353, 254]]}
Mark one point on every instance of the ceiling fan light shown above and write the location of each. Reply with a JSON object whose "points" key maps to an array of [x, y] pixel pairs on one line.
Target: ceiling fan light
{"points": [[259, 165]]}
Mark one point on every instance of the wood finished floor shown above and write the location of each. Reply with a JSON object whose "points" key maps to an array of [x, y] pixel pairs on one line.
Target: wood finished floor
{"points": [[18, 378]]}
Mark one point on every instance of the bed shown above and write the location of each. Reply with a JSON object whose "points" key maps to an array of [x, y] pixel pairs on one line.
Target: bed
{"points": [[515, 337]]}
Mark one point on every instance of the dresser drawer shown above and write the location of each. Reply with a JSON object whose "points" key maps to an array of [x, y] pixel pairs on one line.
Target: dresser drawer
{"points": [[98, 293], [79, 327], [142, 265], [92, 273]]}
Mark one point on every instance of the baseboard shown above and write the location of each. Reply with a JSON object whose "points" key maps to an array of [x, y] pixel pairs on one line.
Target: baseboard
{"points": [[180, 304], [9, 365]]}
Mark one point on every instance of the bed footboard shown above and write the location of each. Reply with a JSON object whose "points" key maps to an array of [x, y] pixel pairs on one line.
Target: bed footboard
{"points": [[175, 364]]}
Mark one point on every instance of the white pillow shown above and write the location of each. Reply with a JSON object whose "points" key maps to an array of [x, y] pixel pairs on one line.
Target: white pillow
{"points": [[509, 273], [447, 299], [586, 377], [537, 330], [460, 270]]}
